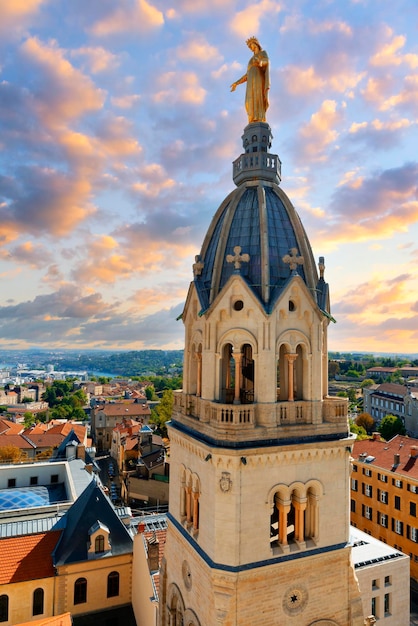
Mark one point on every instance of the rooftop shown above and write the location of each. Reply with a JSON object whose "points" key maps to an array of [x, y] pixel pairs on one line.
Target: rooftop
{"points": [[383, 455]]}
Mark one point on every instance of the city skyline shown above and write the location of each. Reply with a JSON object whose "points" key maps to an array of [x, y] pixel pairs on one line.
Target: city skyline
{"points": [[118, 129]]}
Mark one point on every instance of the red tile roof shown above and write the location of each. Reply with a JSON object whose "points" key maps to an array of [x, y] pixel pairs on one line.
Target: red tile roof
{"points": [[384, 453], [15, 440], [27, 557], [9, 428], [125, 408]]}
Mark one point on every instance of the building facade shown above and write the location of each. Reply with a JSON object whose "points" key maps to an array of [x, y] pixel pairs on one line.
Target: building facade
{"points": [[384, 488], [393, 399], [260, 454]]}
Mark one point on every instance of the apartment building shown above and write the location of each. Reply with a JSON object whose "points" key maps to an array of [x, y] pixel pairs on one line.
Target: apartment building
{"points": [[384, 488], [393, 399]]}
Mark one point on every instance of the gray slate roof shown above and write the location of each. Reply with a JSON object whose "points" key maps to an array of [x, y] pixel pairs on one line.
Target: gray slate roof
{"points": [[92, 506]]}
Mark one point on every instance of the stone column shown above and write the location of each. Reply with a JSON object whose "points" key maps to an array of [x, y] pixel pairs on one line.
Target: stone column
{"points": [[290, 358], [313, 516], [300, 506], [237, 356], [189, 504], [284, 508], [199, 374], [195, 510]]}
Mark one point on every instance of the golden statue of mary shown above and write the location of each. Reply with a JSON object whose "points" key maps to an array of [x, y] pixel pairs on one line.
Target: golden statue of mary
{"points": [[258, 83]]}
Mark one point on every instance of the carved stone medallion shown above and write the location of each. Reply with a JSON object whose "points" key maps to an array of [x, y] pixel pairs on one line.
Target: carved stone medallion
{"points": [[295, 600], [187, 575]]}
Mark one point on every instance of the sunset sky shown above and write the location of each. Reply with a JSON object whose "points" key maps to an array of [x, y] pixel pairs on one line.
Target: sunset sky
{"points": [[117, 135]]}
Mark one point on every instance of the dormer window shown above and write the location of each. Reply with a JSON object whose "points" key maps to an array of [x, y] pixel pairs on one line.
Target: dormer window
{"points": [[99, 540], [99, 544]]}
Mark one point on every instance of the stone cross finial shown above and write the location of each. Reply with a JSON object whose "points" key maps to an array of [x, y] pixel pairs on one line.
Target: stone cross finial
{"points": [[237, 258], [293, 259], [198, 265]]}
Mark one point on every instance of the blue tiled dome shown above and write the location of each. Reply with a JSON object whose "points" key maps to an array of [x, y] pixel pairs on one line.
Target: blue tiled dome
{"points": [[260, 219]]}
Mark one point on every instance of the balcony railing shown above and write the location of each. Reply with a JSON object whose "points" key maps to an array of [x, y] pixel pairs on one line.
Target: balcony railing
{"points": [[332, 410]]}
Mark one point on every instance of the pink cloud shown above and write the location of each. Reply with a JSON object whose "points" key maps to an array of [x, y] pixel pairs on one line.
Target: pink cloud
{"points": [[61, 92], [319, 133], [131, 16]]}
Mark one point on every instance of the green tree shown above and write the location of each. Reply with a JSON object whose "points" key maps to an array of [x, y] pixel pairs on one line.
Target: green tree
{"points": [[28, 419], [390, 426], [351, 373], [162, 412], [352, 395], [367, 382], [358, 430], [150, 393]]}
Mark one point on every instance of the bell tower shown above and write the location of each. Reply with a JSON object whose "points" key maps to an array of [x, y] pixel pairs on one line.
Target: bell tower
{"points": [[260, 454]]}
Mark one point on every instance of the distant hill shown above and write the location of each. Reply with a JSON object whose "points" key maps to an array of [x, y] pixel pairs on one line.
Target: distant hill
{"points": [[112, 363]]}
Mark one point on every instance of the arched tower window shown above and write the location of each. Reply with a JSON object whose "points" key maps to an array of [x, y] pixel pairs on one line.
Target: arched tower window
{"points": [[227, 374], [80, 591], [4, 608], [195, 370], [183, 494], [247, 375], [295, 515], [38, 601], [298, 381]]}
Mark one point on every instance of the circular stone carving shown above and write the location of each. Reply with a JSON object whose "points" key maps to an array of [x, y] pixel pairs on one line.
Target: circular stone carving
{"points": [[187, 575], [295, 600]]}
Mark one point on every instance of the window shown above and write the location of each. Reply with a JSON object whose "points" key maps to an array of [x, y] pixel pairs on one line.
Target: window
{"points": [[38, 602], [80, 591], [413, 534], [367, 471], [99, 544], [367, 490], [387, 603], [397, 482], [33, 480], [383, 496], [374, 607], [354, 468], [4, 608], [354, 484], [113, 584], [398, 527], [388, 581], [397, 503], [413, 509], [383, 478], [413, 488], [11, 482], [353, 505], [383, 520], [367, 512], [54, 479], [375, 584]]}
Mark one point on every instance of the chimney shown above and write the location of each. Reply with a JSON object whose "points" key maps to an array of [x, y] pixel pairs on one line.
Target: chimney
{"points": [[414, 452], [81, 452], [396, 459], [376, 436], [153, 553]]}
